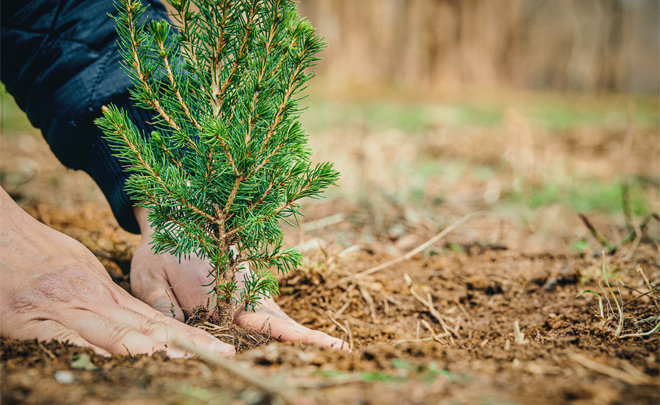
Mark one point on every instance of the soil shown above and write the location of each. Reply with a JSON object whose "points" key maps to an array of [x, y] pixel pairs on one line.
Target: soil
{"points": [[488, 314]]}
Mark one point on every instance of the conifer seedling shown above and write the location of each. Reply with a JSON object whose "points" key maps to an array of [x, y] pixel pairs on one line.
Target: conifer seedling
{"points": [[228, 158]]}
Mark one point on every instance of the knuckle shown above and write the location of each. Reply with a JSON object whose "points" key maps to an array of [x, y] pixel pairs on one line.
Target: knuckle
{"points": [[47, 289], [25, 301], [149, 327], [55, 286], [142, 282], [66, 336], [116, 337], [165, 321], [80, 280], [67, 285]]}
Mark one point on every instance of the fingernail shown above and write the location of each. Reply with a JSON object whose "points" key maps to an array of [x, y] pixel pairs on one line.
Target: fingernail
{"points": [[102, 352], [178, 354], [222, 348]]}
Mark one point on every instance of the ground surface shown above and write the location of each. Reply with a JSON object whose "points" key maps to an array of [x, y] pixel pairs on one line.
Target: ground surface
{"points": [[486, 314]]}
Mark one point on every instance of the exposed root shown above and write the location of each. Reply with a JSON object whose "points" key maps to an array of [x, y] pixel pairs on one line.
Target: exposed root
{"points": [[228, 332]]}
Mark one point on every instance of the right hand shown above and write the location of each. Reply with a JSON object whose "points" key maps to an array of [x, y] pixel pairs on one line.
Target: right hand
{"points": [[52, 287]]}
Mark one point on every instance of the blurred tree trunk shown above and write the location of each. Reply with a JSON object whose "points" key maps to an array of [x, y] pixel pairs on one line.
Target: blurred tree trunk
{"points": [[582, 45]]}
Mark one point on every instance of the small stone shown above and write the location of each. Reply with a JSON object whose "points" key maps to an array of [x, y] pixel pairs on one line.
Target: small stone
{"points": [[64, 377], [305, 357], [82, 361]]}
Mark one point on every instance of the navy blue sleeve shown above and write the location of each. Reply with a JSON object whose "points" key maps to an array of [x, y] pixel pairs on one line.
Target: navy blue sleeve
{"points": [[60, 63]]}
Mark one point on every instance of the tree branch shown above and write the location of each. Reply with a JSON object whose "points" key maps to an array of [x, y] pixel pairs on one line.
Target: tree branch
{"points": [[264, 62], [121, 132], [151, 99], [290, 202], [175, 87], [242, 50], [216, 61]]}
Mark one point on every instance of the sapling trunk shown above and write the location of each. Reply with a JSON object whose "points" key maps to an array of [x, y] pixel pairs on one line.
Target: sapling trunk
{"points": [[227, 158]]}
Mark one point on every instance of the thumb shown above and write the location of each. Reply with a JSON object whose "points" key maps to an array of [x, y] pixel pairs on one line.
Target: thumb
{"points": [[168, 305], [155, 290]]}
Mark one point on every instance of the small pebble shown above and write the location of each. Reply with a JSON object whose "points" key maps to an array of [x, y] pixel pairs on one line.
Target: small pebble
{"points": [[64, 377]]}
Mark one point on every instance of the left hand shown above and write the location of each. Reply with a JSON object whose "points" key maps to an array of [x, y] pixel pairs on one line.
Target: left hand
{"points": [[176, 288]]}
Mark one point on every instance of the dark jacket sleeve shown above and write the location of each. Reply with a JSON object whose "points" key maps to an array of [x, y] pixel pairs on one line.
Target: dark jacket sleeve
{"points": [[60, 62]]}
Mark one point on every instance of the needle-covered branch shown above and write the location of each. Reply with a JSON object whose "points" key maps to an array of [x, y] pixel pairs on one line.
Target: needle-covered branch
{"points": [[227, 160]]}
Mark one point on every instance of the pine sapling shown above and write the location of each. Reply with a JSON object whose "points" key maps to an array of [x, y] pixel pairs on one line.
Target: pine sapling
{"points": [[228, 158]]}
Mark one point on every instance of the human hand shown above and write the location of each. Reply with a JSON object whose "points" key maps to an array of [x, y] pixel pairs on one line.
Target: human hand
{"points": [[268, 318], [176, 288], [54, 288]]}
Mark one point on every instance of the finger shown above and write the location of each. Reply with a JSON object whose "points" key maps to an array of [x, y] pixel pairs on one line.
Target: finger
{"points": [[113, 336], [47, 330], [287, 330], [170, 331], [203, 338], [155, 290], [278, 328], [319, 338], [191, 282]]}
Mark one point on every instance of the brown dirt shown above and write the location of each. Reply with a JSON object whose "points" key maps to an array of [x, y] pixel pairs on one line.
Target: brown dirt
{"points": [[480, 294], [437, 328]]}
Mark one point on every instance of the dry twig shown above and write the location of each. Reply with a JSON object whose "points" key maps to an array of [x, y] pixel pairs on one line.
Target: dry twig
{"points": [[229, 366], [597, 235], [633, 379], [350, 335], [344, 328], [428, 303], [416, 250], [638, 232], [626, 152], [639, 269], [370, 302], [324, 222], [435, 336], [401, 341], [518, 336]]}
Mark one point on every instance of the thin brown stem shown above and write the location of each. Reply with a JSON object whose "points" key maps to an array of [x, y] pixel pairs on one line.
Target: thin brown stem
{"points": [[276, 121], [175, 87], [597, 235], [172, 158], [278, 116], [232, 194], [260, 77], [241, 52], [181, 17], [230, 159], [216, 64], [151, 98], [268, 189], [281, 208]]}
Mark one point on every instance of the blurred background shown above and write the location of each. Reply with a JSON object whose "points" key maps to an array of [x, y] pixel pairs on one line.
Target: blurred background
{"points": [[596, 46], [529, 111]]}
